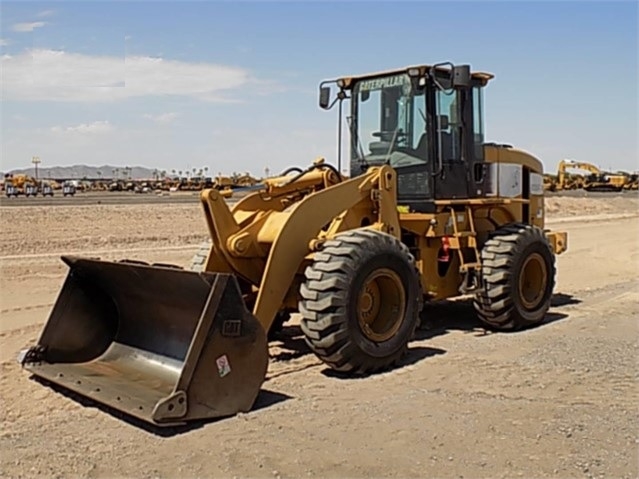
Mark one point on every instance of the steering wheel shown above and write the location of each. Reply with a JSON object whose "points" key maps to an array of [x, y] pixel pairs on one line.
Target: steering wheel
{"points": [[388, 135]]}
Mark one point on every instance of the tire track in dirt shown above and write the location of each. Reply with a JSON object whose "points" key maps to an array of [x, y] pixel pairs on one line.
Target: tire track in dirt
{"points": [[25, 308], [151, 249]]}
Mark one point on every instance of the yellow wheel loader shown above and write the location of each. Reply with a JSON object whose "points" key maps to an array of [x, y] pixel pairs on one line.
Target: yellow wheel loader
{"points": [[428, 211], [632, 182]]}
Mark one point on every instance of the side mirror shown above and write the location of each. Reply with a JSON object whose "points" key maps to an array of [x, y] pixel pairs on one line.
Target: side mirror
{"points": [[325, 97], [461, 76]]}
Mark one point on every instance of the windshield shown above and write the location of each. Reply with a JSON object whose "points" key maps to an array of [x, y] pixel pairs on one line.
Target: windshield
{"points": [[390, 125]]}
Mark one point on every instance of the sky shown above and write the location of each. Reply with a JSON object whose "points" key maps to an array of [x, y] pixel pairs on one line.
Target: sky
{"points": [[233, 86]]}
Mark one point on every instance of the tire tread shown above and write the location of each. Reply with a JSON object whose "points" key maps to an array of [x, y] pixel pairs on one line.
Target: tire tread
{"points": [[324, 297], [494, 302]]}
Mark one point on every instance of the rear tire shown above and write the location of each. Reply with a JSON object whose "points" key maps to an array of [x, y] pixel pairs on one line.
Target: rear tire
{"points": [[361, 302], [518, 278]]}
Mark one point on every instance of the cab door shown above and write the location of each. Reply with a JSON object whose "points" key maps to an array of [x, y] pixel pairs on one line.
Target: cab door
{"points": [[459, 168]]}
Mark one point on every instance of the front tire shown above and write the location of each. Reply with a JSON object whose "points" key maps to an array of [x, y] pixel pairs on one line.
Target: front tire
{"points": [[518, 278], [361, 302]]}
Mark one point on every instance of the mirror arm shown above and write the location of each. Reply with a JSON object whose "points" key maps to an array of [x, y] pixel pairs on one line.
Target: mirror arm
{"points": [[431, 73]]}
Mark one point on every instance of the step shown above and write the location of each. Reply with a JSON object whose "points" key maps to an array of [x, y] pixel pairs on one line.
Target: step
{"points": [[463, 234], [469, 266]]}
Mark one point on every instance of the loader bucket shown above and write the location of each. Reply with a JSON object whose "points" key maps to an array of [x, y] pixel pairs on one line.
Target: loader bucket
{"points": [[161, 344]]}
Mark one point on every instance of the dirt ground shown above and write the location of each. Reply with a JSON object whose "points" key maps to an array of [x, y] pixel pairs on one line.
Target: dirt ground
{"points": [[560, 400]]}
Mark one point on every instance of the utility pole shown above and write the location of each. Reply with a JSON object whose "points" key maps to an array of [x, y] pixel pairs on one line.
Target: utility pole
{"points": [[36, 161]]}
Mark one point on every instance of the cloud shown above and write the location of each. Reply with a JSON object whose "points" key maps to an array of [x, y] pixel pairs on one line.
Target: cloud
{"points": [[53, 75], [97, 127], [3, 42], [27, 27], [45, 13], [162, 118]]}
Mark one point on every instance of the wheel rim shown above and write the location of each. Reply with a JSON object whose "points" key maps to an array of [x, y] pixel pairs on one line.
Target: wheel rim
{"points": [[532, 281], [381, 305]]}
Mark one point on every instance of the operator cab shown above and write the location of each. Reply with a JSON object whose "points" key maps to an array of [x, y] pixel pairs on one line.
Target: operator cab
{"points": [[425, 122]]}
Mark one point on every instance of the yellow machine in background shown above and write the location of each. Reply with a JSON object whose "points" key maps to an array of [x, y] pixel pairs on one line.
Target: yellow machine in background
{"points": [[222, 182], [597, 180], [236, 180], [429, 211], [17, 183], [245, 180], [632, 182]]}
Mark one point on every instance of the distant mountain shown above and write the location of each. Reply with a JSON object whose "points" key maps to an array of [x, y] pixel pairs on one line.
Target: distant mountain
{"points": [[85, 171]]}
